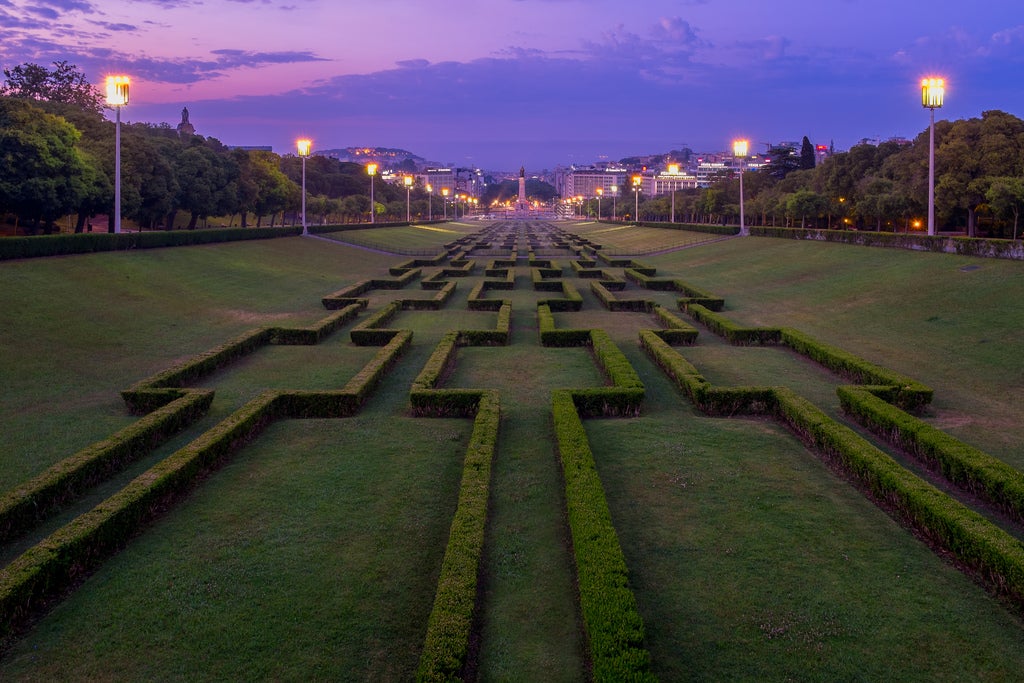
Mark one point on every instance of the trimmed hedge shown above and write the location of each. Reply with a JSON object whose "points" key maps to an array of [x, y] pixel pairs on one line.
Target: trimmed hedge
{"points": [[613, 303], [572, 300], [677, 331], [33, 501], [967, 467], [553, 337], [736, 334], [310, 336], [92, 242], [370, 332], [446, 646], [964, 246], [612, 623], [499, 336], [903, 391]]}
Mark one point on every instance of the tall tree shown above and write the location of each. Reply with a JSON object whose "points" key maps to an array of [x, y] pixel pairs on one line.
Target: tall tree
{"points": [[807, 159], [1006, 198], [64, 83]]}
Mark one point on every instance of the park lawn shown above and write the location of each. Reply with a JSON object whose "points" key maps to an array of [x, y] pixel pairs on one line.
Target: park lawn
{"points": [[633, 239], [952, 322], [405, 238], [79, 329], [750, 559]]}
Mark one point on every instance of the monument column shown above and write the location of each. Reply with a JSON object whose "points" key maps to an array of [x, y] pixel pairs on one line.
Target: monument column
{"points": [[521, 204]]}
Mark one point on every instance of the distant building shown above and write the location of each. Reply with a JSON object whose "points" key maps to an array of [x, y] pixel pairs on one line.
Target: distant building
{"points": [[707, 170], [439, 179], [576, 182], [252, 148]]}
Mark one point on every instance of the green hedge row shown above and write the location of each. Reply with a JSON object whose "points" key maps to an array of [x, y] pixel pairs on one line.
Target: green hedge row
{"points": [[49, 567], [571, 301], [435, 281], [736, 334], [965, 246], [611, 620], [545, 283], [997, 556], [693, 295], [974, 540], [447, 643], [613, 303], [553, 337], [434, 303], [903, 391], [966, 466], [310, 336], [499, 336], [31, 502], [52, 565], [91, 242], [161, 388], [347, 296], [676, 331], [371, 332], [660, 284], [461, 268]]}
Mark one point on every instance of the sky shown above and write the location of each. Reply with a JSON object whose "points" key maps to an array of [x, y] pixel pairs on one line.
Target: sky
{"points": [[501, 83]]}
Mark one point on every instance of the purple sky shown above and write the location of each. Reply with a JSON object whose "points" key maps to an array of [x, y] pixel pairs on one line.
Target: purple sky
{"points": [[500, 83]]}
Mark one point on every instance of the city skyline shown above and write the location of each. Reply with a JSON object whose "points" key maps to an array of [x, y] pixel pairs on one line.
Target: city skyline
{"points": [[538, 83]]}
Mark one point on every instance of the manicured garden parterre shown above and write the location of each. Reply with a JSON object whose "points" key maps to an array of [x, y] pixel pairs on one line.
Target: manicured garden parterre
{"points": [[750, 459]]}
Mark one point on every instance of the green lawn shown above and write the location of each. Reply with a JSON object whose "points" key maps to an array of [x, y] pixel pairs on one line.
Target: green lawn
{"points": [[314, 552]]}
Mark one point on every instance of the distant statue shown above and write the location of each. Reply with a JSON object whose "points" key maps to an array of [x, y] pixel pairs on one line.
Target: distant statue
{"points": [[522, 171], [185, 128]]}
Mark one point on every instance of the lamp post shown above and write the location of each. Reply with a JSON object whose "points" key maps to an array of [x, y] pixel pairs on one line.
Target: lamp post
{"points": [[408, 186], [304, 147], [673, 170], [636, 198], [117, 97], [739, 150], [615, 193], [599, 191], [430, 202], [371, 170], [933, 90], [444, 194]]}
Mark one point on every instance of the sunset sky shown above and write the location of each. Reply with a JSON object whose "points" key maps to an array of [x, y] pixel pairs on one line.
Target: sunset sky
{"points": [[500, 83]]}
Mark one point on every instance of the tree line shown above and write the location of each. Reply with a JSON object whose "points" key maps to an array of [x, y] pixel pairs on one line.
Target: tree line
{"points": [[979, 185], [57, 153]]}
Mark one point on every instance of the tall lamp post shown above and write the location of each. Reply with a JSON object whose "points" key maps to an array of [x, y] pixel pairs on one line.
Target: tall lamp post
{"points": [[371, 170], [408, 186], [739, 150], [117, 97], [615, 193], [933, 90], [673, 170], [304, 147], [444, 194], [599, 191], [636, 198], [430, 202]]}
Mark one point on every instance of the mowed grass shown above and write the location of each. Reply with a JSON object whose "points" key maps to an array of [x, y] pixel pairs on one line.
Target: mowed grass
{"points": [[313, 554], [407, 237], [629, 239]]}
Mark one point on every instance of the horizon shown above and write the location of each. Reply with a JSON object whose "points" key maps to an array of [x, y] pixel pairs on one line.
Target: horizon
{"points": [[539, 83]]}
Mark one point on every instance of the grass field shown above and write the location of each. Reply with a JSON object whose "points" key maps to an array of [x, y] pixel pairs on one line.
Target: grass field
{"points": [[313, 554]]}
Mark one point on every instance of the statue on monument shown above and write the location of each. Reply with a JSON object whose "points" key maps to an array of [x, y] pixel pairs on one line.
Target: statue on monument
{"points": [[185, 128]]}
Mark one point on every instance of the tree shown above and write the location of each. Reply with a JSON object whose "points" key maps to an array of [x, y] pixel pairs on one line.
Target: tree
{"points": [[41, 169], [65, 83], [807, 159], [804, 203], [1005, 196], [781, 161]]}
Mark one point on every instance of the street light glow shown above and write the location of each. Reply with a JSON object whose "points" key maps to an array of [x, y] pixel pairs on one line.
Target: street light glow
{"points": [[933, 91], [740, 147], [304, 147], [117, 90]]}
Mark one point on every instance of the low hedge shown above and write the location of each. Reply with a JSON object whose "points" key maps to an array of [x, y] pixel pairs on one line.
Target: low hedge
{"points": [[901, 390], [997, 556], [736, 334], [572, 300], [554, 337], [92, 242], [613, 303], [31, 502], [310, 336], [612, 623], [677, 330], [370, 332], [54, 563], [546, 280], [499, 336], [965, 246], [447, 643], [151, 393], [966, 466]]}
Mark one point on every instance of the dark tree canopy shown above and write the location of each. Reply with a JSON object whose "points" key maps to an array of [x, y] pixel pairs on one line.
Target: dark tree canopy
{"points": [[64, 83]]}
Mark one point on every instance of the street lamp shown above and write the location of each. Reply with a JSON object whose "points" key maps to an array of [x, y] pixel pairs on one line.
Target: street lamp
{"points": [[739, 150], [117, 97], [599, 191], [371, 170], [933, 90], [430, 202], [615, 193], [444, 193], [304, 147], [673, 170], [408, 186], [636, 198]]}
